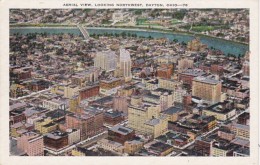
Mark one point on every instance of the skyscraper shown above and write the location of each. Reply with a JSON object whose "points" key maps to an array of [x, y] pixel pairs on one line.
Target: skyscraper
{"points": [[125, 63], [105, 60]]}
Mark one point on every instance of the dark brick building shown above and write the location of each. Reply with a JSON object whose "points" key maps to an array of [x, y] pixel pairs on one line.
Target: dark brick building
{"points": [[16, 116], [243, 118], [56, 140], [202, 148], [89, 122], [89, 91], [113, 117], [165, 71], [174, 126], [120, 134], [38, 85], [187, 76]]}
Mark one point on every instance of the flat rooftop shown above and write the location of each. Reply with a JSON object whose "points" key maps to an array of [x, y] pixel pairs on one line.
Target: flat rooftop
{"points": [[206, 80], [194, 72], [121, 130], [56, 135], [113, 114], [172, 110]]}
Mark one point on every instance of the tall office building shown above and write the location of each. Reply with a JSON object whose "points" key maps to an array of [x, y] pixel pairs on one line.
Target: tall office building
{"points": [[207, 88], [31, 143], [89, 123], [169, 84], [178, 95], [125, 63], [105, 60], [146, 119], [74, 104]]}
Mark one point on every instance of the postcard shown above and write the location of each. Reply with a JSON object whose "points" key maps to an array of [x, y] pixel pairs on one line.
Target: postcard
{"points": [[107, 82]]}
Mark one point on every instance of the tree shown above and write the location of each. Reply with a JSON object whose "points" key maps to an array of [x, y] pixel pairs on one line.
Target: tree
{"points": [[138, 12], [183, 43], [134, 35], [175, 40], [123, 34]]}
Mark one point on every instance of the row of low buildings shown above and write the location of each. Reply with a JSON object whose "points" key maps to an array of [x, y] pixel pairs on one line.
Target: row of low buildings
{"points": [[33, 143]]}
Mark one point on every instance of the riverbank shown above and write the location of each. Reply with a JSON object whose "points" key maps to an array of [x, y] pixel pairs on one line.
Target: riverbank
{"points": [[227, 47], [167, 31], [129, 28]]}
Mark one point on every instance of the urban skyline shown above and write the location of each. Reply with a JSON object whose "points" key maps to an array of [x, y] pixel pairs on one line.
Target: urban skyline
{"points": [[83, 84]]}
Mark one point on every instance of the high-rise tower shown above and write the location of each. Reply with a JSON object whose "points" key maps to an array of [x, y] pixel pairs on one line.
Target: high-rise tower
{"points": [[125, 63]]}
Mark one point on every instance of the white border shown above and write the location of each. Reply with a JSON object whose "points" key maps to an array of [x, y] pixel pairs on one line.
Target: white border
{"points": [[5, 159]]}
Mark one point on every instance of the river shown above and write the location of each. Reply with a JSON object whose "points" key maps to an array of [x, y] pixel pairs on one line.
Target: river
{"points": [[223, 45]]}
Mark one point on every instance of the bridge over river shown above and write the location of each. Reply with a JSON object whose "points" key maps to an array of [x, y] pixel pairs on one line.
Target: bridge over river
{"points": [[83, 31]]}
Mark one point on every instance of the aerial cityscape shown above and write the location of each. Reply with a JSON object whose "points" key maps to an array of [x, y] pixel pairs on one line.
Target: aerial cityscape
{"points": [[129, 82]]}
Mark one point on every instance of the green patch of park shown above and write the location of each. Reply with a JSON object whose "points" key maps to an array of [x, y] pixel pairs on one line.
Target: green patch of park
{"points": [[203, 28], [140, 21], [145, 22], [151, 24], [106, 21], [175, 21]]}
